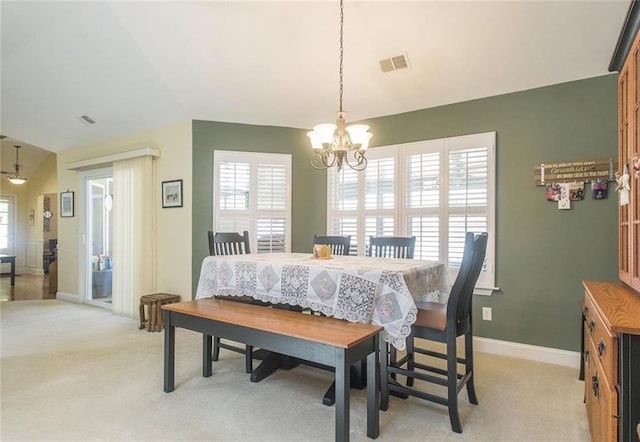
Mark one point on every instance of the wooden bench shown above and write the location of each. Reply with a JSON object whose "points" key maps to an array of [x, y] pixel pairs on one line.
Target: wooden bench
{"points": [[319, 339]]}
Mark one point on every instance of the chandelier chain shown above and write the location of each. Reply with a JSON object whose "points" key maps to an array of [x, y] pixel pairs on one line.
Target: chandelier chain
{"points": [[341, 48]]}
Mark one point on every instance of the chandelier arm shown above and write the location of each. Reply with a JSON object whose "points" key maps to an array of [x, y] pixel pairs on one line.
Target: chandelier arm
{"points": [[329, 158], [324, 159], [358, 160], [360, 165]]}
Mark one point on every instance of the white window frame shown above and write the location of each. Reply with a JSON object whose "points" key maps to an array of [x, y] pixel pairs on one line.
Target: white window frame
{"points": [[486, 281], [249, 217]]}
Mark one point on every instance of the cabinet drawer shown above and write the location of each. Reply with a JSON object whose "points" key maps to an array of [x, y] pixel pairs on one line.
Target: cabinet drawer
{"points": [[601, 400], [605, 343]]}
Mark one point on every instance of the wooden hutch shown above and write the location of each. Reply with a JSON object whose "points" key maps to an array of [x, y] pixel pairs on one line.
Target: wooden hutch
{"points": [[612, 309]]}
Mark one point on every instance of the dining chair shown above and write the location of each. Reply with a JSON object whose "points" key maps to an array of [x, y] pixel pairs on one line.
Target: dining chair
{"points": [[392, 246], [442, 323], [340, 245], [231, 243], [228, 243]]}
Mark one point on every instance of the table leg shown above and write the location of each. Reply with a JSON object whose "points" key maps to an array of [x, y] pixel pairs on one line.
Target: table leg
{"points": [[373, 391], [342, 396], [13, 272], [271, 363], [169, 353], [207, 359], [329, 397], [358, 372]]}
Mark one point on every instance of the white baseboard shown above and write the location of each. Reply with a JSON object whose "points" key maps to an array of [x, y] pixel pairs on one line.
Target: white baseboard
{"points": [[24, 270], [530, 352], [69, 297]]}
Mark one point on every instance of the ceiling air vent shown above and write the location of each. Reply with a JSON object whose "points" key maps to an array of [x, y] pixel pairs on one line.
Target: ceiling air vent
{"points": [[87, 119], [394, 63]]}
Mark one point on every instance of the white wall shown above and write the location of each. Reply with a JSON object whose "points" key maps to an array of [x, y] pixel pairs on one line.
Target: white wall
{"points": [[173, 234]]}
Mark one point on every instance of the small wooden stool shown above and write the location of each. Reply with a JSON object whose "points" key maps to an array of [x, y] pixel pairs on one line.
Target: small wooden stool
{"points": [[155, 321]]}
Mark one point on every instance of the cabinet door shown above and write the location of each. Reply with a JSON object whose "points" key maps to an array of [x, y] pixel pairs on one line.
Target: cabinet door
{"points": [[601, 400], [628, 146], [625, 84], [633, 148]]}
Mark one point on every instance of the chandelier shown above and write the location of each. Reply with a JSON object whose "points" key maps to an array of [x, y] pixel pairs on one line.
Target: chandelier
{"points": [[15, 177], [338, 144]]}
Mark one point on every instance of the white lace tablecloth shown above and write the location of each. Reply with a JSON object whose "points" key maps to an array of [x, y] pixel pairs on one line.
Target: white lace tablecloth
{"points": [[359, 289]]}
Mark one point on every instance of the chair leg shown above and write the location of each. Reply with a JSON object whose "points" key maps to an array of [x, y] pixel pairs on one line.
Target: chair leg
{"points": [[452, 386], [393, 358], [410, 359], [248, 359], [216, 348], [468, 356]]}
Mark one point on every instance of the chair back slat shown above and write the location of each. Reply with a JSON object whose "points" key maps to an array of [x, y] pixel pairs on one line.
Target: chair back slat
{"points": [[340, 245], [228, 243], [392, 246], [461, 296]]}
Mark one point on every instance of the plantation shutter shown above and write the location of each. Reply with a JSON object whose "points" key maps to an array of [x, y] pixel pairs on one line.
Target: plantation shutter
{"points": [[380, 197], [271, 225], [252, 191], [423, 203], [468, 198]]}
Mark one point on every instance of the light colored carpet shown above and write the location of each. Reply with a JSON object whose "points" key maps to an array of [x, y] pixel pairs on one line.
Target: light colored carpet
{"points": [[75, 372]]}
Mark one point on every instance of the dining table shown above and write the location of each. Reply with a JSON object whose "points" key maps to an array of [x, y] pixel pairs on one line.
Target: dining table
{"points": [[380, 291], [374, 290]]}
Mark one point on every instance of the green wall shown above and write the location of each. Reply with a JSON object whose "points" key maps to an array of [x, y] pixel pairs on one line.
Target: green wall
{"points": [[542, 253], [309, 194]]}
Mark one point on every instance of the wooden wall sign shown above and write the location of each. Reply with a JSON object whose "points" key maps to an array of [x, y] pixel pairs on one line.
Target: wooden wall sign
{"points": [[575, 171]]}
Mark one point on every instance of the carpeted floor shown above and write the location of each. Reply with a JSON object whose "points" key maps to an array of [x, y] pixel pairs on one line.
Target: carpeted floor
{"points": [[75, 372]]}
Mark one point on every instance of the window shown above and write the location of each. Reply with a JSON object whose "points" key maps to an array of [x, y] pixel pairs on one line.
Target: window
{"points": [[252, 191], [436, 190]]}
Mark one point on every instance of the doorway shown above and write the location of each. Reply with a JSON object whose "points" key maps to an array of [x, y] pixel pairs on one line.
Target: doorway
{"points": [[98, 238], [7, 224]]}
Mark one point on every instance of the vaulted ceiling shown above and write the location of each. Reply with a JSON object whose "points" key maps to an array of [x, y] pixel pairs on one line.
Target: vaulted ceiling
{"points": [[138, 65]]}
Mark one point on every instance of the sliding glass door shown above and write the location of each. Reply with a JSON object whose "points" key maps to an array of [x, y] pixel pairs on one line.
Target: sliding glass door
{"points": [[98, 262]]}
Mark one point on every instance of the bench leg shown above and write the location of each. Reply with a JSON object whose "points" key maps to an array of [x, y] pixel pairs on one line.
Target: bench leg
{"points": [[207, 360], [169, 354], [342, 396], [373, 391], [384, 376]]}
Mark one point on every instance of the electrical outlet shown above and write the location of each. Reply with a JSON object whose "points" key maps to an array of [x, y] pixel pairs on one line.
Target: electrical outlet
{"points": [[486, 313]]}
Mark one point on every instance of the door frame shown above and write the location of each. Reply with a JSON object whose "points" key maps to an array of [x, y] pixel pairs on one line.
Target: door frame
{"points": [[84, 269]]}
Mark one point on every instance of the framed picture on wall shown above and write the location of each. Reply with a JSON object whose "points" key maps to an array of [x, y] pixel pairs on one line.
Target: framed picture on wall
{"points": [[172, 193], [66, 204]]}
